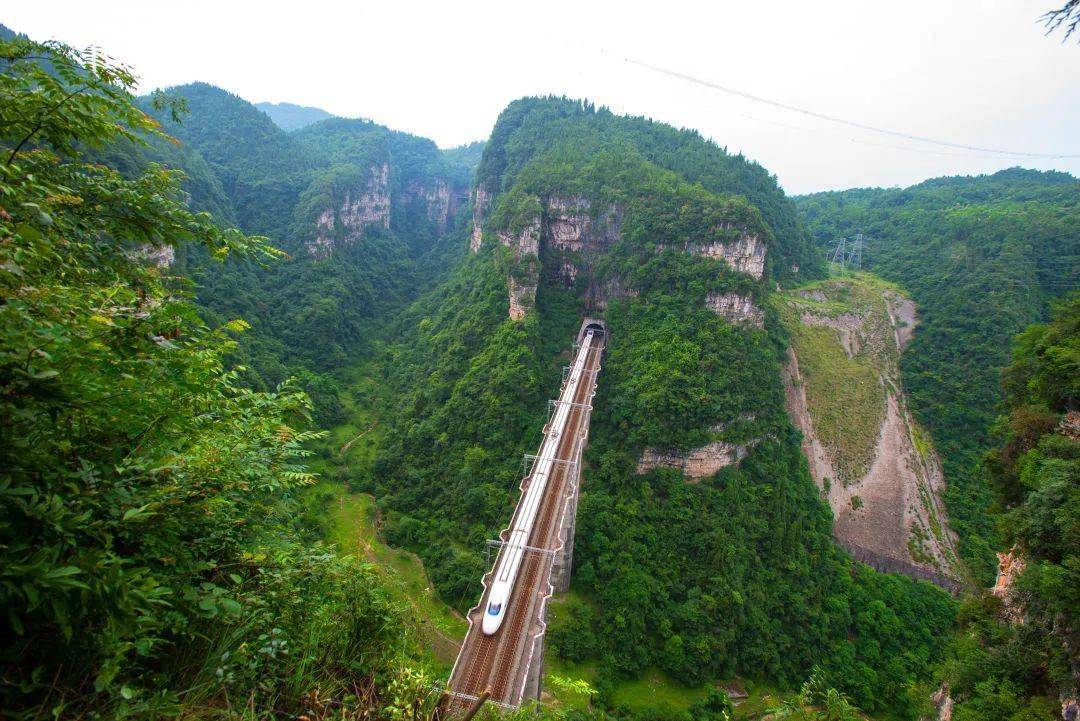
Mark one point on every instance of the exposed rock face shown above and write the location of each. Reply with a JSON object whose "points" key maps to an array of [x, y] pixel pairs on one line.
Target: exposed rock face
{"points": [[569, 225], [891, 506], [848, 326], [574, 234], [576, 237], [695, 464], [943, 703], [438, 200], [737, 309], [1070, 425], [746, 254], [161, 256], [360, 208], [599, 294], [1010, 566], [568, 228], [904, 317], [522, 297], [525, 242], [567, 222], [481, 202], [526, 246]]}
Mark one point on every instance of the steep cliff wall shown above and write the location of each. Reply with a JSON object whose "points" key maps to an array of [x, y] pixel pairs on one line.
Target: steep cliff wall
{"points": [[696, 463], [572, 234], [745, 254], [437, 198], [358, 208], [480, 205], [576, 235], [736, 308]]}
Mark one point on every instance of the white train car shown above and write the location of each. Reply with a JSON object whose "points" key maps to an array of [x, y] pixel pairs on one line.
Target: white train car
{"points": [[506, 571]]}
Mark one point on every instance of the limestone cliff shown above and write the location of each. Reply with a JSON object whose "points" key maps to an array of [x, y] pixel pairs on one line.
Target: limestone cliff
{"points": [[573, 235], [524, 277], [359, 208], [576, 239], [703, 461], [1010, 566], [746, 253], [737, 308], [437, 198], [481, 204], [870, 460], [522, 297], [696, 463]]}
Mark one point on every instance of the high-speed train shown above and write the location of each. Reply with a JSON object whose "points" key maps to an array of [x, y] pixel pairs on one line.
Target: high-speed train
{"points": [[514, 551]]}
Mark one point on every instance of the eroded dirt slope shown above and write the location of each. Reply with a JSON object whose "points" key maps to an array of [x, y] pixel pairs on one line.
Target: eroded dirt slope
{"points": [[877, 469]]}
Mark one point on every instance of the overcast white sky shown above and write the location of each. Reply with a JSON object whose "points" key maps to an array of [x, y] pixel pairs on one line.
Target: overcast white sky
{"points": [[974, 72]]}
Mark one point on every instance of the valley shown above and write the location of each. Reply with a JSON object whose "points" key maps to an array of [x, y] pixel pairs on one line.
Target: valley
{"points": [[270, 376]]}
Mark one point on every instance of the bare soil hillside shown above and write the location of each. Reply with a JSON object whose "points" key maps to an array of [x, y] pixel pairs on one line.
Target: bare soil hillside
{"points": [[871, 461]]}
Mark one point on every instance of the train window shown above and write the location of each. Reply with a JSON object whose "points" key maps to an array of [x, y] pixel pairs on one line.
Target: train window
{"points": [[494, 609]]}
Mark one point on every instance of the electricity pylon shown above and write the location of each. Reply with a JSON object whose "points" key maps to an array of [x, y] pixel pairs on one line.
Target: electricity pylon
{"points": [[848, 253]]}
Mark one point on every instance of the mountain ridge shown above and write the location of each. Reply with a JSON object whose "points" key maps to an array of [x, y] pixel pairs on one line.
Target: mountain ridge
{"points": [[290, 116]]}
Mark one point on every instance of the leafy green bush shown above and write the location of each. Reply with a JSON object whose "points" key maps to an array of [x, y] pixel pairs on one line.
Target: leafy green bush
{"points": [[145, 558]]}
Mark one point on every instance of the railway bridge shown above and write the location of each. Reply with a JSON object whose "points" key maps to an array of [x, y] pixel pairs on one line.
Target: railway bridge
{"points": [[535, 552]]}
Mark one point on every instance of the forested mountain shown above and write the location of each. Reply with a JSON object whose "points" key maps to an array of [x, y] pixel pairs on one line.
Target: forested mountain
{"points": [[526, 129], [1017, 653], [162, 552], [355, 205], [577, 212], [981, 257], [154, 555], [289, 116]]}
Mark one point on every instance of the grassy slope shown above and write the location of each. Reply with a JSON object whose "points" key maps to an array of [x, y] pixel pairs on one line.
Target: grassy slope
{"points": [[352, 522], [837, 384], [844, 394], [353, 528]]}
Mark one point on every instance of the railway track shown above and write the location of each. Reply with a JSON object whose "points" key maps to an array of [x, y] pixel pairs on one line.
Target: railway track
{"points": [[499, 663]]}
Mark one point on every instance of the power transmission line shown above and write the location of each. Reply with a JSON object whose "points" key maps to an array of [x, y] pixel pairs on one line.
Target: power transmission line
{"points": [[834, 119], [848, 253], [849, 138]]}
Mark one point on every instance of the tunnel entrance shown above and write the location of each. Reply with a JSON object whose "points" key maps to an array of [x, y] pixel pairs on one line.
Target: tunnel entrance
{"points": [[596, 325]]}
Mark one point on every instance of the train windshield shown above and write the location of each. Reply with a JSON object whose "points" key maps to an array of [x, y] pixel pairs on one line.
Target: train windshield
{"points": [[494, 609]]}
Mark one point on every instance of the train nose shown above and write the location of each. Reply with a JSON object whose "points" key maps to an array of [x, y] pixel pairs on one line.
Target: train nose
{"points": [[491, 624], [492, 618]]}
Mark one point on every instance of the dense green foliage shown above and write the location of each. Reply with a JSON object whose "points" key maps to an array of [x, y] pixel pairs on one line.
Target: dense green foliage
{"points": [[1014, 664], [153, 516], [735, 574], [532, 126], [149, 561], [981, 257], [314, 313]]}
